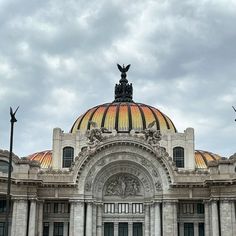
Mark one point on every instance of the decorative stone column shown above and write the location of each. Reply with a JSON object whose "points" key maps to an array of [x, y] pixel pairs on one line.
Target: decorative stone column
{"points": [[157, 219], [89, 219], [40, 218], [152, 219], [147, 220], [94, 219], [99, 219], [227, 218], [170, 218], [77, 218], [214, 219], [20, 213], [206, 218], [32, 218]]}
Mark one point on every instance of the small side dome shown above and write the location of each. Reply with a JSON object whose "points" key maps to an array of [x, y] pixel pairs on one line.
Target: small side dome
{"points": [[202, 158], [44, 158]]}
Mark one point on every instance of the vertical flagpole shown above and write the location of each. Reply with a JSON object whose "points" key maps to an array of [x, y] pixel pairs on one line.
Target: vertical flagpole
{"points": [[8, 196]]}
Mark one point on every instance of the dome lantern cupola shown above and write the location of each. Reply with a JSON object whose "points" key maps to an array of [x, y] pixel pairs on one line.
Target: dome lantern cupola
{"points": [[123, 90]]}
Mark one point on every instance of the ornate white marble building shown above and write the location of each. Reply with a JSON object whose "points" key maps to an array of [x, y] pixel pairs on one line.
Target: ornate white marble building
{"points": [[123, 169]]}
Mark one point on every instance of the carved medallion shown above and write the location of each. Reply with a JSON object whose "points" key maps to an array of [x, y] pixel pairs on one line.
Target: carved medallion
{"points": [[122, 185]]}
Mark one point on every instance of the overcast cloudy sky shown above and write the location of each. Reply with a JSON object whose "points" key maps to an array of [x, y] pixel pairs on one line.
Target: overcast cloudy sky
{"points": [[58, 59]]}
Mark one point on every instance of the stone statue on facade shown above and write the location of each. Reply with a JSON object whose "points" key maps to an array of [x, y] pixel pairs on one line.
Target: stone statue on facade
{"points": [[152, 135], [95, 134]]}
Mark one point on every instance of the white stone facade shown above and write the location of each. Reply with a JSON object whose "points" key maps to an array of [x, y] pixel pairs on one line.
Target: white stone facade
{"points": [[122, 181]]}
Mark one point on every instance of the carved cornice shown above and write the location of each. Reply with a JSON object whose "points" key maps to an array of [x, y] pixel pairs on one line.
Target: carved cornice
{"points": [[219, 182]]}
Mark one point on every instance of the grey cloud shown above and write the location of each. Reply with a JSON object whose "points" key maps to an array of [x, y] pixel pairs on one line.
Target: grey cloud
{"points": [[182, 57]]}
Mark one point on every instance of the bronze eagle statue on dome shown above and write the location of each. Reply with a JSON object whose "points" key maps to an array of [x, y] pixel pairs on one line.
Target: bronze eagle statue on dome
{"points": [[123, 69]]}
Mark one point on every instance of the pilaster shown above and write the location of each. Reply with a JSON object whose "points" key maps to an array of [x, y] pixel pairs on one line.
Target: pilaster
{"points": [[99, 219], [152, 220], [170, 218], [77, 217], [89, 219], [214, 218], [40, 218], [32, 218], [157, 217], [20, 213], [227, 218], [94, 219], [147, 219], [207, 218], [116, 228], [130, 229]]}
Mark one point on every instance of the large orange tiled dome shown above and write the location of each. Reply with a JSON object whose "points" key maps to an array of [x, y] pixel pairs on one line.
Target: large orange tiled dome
{"points": [[123, 117]]}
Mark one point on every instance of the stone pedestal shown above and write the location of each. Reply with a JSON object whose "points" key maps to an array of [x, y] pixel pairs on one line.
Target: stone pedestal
{"points": [[20, 213], [170, 218]]}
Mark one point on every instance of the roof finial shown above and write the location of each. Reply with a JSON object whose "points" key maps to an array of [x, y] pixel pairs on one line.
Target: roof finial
{"points": [[123, 71], [123, 90]]}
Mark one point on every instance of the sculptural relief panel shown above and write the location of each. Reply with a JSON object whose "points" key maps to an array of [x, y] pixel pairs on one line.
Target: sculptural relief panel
{"points": [[122, 185]]}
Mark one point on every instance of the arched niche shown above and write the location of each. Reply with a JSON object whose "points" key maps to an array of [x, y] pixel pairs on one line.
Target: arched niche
{"points": [[89, 173], [116, 171]]}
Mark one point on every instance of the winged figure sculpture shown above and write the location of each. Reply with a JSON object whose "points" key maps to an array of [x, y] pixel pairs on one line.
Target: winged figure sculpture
{"points": [[123, 69], [13, 118]]}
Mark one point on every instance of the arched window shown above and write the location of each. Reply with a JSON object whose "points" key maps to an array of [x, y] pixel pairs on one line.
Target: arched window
{"points": [[4, 166], [68, 157], [178, 156]]}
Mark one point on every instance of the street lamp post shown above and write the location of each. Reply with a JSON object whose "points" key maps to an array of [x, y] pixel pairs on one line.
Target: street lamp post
{"points": [[8, 197]]}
